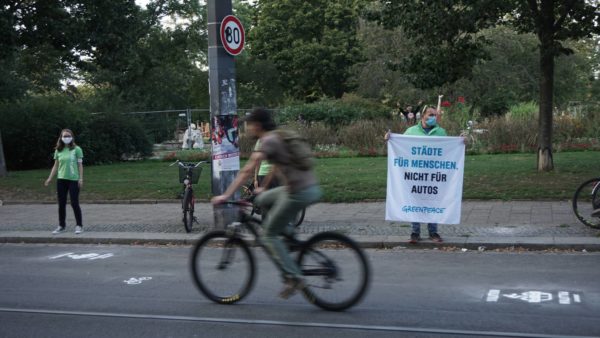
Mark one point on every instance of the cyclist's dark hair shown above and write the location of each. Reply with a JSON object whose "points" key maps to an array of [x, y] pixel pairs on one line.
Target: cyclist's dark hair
{"points": [[60, 145], [262, 116]]}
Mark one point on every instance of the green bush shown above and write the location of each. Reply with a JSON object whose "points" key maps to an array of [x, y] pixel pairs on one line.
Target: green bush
{"points": [[365, 136], [523, 111], [31, 128], [335, 113], [115, 137]]}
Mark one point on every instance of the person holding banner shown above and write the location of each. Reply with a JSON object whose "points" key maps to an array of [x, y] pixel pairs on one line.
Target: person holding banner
{"points": [[427, 126]]}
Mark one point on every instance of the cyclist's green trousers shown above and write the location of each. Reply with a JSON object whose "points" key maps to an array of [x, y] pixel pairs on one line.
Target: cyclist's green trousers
{"points": [[282, 207]]}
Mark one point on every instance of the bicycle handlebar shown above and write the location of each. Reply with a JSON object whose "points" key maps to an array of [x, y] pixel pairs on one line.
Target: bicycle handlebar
{"points": [[185, 164]]}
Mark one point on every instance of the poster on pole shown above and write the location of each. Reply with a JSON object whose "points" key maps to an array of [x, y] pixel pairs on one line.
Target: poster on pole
{"points": [[225, 143], [424, 179]]}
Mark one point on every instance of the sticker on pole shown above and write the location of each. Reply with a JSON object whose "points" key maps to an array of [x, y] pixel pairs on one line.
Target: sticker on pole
{"points": [[232, 35]]}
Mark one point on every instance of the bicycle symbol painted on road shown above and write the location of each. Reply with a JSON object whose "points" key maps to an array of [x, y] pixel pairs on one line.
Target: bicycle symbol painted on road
{"points": [[534, 297], [135, 281]]}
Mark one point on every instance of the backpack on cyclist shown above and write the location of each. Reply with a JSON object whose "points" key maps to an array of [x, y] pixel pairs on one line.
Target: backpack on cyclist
{"points": [[301, 155]]}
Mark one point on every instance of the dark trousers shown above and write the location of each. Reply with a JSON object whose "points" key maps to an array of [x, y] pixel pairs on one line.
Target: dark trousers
{"points": [[62, 188]]}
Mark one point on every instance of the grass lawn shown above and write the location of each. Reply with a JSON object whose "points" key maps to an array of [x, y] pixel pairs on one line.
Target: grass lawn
{"points": [[502, 176]]}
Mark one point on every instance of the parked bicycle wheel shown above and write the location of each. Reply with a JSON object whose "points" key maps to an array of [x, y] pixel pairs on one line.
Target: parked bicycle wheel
{"points": [[335, 269], [222, 267], [586, 200], [188, 209], [299, 218]]}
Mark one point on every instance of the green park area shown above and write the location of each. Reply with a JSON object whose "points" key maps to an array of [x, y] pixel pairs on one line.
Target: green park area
{"points": [[351, 179], [341, 73]]}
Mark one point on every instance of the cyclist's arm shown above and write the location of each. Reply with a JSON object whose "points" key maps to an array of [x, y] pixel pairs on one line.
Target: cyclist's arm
{"points": [[242, 176]]}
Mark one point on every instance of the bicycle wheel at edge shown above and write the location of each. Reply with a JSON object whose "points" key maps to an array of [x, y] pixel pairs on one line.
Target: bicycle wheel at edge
{"points": [[587, 199], [334, 281], [188, 209], [222, 267]]}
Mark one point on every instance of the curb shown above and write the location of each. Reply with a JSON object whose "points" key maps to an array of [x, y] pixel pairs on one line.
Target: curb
{"points": [[176, 200], [368, 242]]}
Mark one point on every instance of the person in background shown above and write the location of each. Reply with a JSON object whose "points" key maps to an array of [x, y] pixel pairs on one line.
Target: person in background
{"points": [[427, 126], [68, 166]]}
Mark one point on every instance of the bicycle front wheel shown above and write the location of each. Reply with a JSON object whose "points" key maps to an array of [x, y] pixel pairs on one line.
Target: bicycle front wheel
{"points": [[586, 200], [335, 269], [188, 209], [222, 267]]}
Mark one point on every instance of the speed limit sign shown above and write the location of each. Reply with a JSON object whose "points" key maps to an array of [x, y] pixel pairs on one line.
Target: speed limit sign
{"points": [[232, 35]]}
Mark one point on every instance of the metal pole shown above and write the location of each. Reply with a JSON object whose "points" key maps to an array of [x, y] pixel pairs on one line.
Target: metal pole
{"points": [[222, 90]]}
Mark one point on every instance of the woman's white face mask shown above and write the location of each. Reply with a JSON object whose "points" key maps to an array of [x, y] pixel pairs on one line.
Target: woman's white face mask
{"points": [[67, 139]]}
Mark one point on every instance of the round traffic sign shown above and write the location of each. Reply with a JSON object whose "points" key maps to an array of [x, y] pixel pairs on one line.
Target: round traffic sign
{"points": [[232, 35]]}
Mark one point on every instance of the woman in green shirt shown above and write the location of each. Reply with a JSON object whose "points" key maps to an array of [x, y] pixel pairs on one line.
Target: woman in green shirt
{"points": [[68, 164]]}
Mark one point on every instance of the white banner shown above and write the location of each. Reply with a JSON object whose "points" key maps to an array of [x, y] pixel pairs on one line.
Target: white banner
{"points": [[425, 179]]}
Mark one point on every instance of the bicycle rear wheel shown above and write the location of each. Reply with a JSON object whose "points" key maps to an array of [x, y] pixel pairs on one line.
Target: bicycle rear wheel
{"points": [[586, 200], [222, 267], [335, 269], [188, 209]]}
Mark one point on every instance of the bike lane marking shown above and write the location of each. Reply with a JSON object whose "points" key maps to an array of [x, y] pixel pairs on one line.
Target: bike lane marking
{"points": [[534, 296]]}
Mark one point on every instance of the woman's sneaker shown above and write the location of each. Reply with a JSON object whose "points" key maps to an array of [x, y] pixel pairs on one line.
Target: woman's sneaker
{"points": [[78, 229], [58, 230]]}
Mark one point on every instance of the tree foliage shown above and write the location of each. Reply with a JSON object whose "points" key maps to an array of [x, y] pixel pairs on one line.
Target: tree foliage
{"points": [[450, 46], [313, 44]]}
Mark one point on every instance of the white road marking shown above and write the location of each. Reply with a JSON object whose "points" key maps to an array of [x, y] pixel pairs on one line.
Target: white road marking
{"points": [[564, 298], [294, 324], [134, 281], [89, 256], [61, 255], [493, 295]]}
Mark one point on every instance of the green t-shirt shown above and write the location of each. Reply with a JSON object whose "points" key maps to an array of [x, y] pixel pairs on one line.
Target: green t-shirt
{"points": [[68, 163], [417, 130], [265, 166]]}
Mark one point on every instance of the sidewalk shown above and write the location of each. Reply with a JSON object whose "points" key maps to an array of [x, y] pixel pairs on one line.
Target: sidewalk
{"points": [[491, 224]]}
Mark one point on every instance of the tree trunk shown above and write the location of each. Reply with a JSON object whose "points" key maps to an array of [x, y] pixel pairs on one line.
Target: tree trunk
{"points": [[2, 161], [546, 36]]}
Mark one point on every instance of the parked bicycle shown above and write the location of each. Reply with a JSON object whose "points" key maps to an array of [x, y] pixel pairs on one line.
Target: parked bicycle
{"points": [[189, 174], [586, 203], [247, 193], [335, 268]]}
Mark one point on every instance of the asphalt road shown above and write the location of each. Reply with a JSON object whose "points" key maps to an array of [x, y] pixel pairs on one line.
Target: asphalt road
{"points": [[93, 291]]}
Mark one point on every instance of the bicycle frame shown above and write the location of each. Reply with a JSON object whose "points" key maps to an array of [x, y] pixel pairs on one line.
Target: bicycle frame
{"points": [[251, 223]]}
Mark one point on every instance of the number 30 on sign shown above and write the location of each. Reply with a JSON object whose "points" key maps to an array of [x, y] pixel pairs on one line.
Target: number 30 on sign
{"points": [[232, 35]]}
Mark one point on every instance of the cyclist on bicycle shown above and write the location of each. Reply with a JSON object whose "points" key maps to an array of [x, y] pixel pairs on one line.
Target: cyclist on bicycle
{"points": [[300, 189]]}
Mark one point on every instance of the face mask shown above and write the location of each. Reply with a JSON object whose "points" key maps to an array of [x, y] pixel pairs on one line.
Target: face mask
{"points": [[67, 140], [430, 121]]}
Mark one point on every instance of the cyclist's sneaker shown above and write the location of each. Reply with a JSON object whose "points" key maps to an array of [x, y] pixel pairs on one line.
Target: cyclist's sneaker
{"points": [[435, 237], [414, 238], [291, 286], [596, 213], [78, 229], [58, 230]]}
